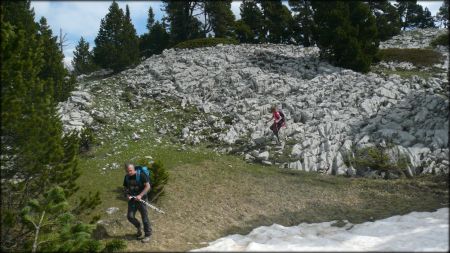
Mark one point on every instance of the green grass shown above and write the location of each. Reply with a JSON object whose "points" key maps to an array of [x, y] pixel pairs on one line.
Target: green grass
{"points": [[440, 40], [418, 57], [403, 73], [205, 42], [408, 73], [210, 195]]}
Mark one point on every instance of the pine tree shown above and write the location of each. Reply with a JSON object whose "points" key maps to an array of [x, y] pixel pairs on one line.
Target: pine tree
{"points": [[442, 15], [252, 16], [182, 23], [35, 155], [159, 38], [54, 227], [220, 17], [387, 19], [130, 41], [107, 43], [277, 21], [303, 22], [82, 58], [346, 33], [144, 45], [410, 12], [150, 19], [53, 69], [414, 16], [117, 44], [20, 14], [427, 20], [158, 178], [243, 32], [156, 39], [402, 9]]}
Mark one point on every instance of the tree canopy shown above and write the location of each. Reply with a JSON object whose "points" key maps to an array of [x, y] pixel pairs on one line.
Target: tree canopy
{"points": [[117, 44]]}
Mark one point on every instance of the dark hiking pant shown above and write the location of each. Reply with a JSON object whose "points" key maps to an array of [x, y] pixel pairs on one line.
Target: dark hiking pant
{"points": [[275, 127], [134, 206]]}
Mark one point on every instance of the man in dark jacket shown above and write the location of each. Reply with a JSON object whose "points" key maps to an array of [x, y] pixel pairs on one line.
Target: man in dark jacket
{"points": [[135, 191]]}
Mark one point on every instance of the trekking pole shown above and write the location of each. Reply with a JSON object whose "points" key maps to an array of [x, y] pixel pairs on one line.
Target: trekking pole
{"points": [[150, 205]]}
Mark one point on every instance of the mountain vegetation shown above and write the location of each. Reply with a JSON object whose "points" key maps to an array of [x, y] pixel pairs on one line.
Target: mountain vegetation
{"points": [[56, 184]]}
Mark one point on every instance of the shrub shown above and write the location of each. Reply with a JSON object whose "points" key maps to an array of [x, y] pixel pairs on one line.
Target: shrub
{"points": [[378, 158], [346, 33], [228, 120], [115, 245], [440, 40], [418, 57], [128, 95], [205, 42], [159, 177], [87, 140]]}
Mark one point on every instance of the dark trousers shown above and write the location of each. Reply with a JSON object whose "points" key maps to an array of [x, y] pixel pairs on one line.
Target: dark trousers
{"points": [[134, 206], [275, 127]]}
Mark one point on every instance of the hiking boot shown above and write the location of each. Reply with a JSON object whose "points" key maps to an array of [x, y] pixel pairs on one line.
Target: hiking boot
{"points": [[146, 239], [138, 234]]}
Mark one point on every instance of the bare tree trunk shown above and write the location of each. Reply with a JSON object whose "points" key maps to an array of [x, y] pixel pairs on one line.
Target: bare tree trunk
{"points": [[204, 25], [62, 40], [38, 227]]}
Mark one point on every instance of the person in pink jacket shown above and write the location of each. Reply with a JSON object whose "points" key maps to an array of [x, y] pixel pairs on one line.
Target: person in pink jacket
{"points": [[278, 121]]}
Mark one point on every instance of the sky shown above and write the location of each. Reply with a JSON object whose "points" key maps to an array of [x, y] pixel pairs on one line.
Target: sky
{"points": [[416, 231], [82, 18]]}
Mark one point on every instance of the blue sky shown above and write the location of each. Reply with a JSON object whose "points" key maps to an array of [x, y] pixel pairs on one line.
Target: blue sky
{"points": [[82, 18]]}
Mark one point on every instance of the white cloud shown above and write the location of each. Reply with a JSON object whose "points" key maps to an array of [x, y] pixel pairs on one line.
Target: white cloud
{"points": [[140, 9], [235, 5], [41, 7], [82, 18], [68, 63], [433, 6], [235, 8]]}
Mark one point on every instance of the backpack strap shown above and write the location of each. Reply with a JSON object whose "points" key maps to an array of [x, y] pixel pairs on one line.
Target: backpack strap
{"points": [[138, 176]]}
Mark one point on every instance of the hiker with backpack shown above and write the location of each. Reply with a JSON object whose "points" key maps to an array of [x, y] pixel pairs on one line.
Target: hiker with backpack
{"points": [[137, 184], [278, 121]]}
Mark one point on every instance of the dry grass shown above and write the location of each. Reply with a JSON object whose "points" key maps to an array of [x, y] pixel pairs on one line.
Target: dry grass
{"points": [[217, 198], [210, 196], [418, 57]]}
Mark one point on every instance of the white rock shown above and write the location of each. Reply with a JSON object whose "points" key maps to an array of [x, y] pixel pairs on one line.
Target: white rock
{"points": [[112, 210], [135, 136], [263, 155]]}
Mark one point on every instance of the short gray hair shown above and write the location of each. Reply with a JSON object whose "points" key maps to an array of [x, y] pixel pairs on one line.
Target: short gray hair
{"points": [[127, 164]]}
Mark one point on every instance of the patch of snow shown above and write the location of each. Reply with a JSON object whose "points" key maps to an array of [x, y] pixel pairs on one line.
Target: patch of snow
{"points": [[416, 231]]}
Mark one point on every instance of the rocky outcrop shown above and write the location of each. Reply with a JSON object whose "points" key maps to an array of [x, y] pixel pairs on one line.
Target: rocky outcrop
{"points": [[417, 38], [328, 109], [75, 112], [95, 74]]}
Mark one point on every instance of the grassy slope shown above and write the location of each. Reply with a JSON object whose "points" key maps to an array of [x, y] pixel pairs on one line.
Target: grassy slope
{"points": [[210, 196], [422, 59]]}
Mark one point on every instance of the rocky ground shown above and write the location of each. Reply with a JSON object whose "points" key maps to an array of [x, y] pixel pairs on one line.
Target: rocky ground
{"points": [[417, 38], [227, 92]]}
